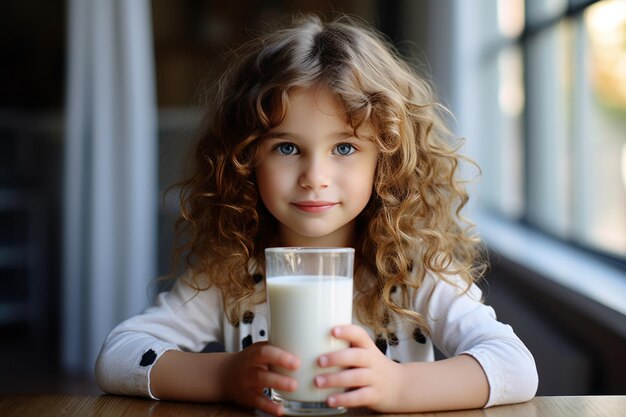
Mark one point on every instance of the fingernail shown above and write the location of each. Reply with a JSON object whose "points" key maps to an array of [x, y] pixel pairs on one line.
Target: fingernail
{"points": [[320, 381], [331, 401], [336, 331], [323, 361]]}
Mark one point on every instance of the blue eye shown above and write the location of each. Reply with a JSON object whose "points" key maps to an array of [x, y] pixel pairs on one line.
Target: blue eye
{"points": [[345, 149], [286, 148]]}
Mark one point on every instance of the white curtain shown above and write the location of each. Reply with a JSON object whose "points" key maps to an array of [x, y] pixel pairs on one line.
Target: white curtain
{"points": [[111, 198]]}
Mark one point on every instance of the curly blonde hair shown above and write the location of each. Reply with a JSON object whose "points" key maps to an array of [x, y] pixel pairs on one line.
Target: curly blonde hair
{"points": [[412, 224]]}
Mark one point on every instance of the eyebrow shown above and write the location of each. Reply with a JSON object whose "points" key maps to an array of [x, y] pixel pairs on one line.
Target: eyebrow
{"points": [[335, 135]]}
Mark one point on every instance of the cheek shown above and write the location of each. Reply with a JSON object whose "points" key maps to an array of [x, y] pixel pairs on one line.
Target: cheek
{"points": [[369, 175], [269, 185], [262, 185], [365, 191], [361, 186]]}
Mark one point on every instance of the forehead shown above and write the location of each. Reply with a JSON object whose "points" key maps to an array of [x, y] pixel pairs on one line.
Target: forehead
{"points": [[316, 107], [315, 100]]}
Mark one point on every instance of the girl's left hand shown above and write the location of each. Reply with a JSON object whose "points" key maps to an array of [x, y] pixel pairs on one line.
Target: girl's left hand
{"points": [[373, 378]]}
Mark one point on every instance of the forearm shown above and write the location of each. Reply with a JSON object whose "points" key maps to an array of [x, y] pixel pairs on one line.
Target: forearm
{"points": [[186, 376], [451, 384]]}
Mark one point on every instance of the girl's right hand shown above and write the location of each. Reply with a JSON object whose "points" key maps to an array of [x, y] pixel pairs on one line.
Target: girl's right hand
{"points": [[247, 373]]}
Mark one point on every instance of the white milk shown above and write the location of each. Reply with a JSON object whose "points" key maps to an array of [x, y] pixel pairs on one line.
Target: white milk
{"points": [[303, 310]]}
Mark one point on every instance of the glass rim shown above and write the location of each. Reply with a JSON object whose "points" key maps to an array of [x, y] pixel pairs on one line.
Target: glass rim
{"points": [[299, 249]]}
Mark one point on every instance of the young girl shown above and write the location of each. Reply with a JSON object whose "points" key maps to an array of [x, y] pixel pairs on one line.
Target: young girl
{"points": [[320, 135]]}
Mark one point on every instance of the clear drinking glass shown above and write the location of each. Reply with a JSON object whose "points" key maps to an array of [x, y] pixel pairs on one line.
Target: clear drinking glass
{"points": [[309, 292]]}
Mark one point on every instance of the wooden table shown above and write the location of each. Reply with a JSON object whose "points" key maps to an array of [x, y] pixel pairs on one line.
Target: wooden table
{"points": [[112, 406]]}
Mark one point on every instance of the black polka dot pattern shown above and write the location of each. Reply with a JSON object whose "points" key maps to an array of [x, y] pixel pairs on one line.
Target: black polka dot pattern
{"points": [[247, 341], [257, 278], [262, 333], [418, 336], [148, 358], [381, 344], [248, 317], [392, 339]]}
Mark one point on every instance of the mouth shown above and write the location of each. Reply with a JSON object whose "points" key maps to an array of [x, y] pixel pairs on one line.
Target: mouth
{"points": [[314, 206]]}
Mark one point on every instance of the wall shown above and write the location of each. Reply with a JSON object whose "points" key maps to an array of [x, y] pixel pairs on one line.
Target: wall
{"points": [[578, 344]]}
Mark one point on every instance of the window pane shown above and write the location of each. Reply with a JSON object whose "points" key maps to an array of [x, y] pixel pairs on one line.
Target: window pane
{"points": [[548, 114], [511, 17], [501, 159], [600, 129]]}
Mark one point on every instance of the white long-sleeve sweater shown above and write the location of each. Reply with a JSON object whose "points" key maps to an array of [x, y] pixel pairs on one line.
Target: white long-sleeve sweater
{"points": [[183, 319]]}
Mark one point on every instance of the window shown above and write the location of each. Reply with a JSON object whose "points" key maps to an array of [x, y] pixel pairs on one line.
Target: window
{"points": [[554, 119]]}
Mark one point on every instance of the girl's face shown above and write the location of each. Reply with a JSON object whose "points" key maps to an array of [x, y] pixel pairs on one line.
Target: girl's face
{"points": [[314, 175]]}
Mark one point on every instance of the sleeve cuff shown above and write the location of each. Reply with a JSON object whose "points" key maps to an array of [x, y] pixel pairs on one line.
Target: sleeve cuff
{"points": [[152, 354], [492, 373], [512, 375]]}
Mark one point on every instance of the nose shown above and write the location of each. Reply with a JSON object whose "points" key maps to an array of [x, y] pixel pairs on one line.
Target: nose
{"points": [[315, 173]]}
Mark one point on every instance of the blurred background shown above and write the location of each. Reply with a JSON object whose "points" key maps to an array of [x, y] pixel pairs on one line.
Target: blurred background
{"points": [[100, 99]]}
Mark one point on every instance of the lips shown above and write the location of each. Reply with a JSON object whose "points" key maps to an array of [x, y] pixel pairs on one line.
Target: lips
{"points": [[314, 206]]}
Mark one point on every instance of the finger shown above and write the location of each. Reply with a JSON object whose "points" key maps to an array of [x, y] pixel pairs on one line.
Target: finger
{"points": [[277, 381], [267, 354], [263, 403], [347, 358], [354, 334], [358, 398], [350, 378]]}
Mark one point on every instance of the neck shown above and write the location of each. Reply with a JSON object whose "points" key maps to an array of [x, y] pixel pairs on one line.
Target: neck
{"points": [[341, 238]]}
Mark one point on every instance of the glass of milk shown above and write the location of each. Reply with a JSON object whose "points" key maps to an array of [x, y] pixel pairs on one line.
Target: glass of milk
{"points": [[309, 292]]}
